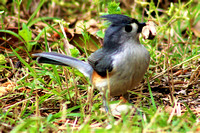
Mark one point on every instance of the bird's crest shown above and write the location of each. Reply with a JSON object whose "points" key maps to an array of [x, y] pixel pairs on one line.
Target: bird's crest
{"points": [[119, 19]]}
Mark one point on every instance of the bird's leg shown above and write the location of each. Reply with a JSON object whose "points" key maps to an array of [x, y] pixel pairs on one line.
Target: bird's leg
{"points": [[105, 102], [105, 97], [106, 94], [126, 97]]}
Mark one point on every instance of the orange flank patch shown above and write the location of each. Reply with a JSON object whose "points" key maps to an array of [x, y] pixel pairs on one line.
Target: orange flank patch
{"points": [[96, 78]]}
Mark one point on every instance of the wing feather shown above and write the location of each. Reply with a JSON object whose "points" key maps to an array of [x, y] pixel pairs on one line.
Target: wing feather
{"points": [[101, 62]]}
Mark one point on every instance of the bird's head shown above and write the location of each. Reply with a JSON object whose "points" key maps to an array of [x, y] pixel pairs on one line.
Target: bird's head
{"points": [[122, 29]]}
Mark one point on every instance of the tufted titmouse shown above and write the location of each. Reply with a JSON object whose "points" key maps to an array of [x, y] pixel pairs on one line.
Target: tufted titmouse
{"points": [[118, 66]]}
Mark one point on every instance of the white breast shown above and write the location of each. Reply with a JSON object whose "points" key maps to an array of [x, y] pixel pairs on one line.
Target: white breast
{"points": [[130, 66]]}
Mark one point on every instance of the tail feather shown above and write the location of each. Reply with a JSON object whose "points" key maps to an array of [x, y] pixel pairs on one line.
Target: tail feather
{"points": [[60, 59], [49, 61]]}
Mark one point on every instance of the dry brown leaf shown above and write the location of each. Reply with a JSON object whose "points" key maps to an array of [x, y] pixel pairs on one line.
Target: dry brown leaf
{"points": [[90, 26], [6, 88], [91, 45], [168, 109], [196, 29], [93, 26]]}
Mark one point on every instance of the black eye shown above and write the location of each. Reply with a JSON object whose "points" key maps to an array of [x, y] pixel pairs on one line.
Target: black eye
{"points": [[128, 28]]}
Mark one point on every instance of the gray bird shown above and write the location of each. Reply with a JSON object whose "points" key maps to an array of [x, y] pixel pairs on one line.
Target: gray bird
{"points": [[118, 66]]}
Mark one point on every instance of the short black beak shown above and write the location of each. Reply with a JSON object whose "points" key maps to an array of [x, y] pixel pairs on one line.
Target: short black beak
{"points": [[140, 27]]}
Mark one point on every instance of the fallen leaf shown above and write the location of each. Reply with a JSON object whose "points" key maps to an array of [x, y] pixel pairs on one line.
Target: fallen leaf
{"points": [[91, 45], [6, 88], [90, 26], [196, 29]]}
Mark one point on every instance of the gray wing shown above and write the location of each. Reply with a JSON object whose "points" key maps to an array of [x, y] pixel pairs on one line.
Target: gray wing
{"points": [[101, 62]]}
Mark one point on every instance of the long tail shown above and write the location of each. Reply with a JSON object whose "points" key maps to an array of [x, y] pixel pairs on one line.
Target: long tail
{"points": [[60, 59]]}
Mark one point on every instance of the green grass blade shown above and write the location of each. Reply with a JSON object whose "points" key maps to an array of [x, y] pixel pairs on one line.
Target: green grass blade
{"points": [[151, 95], [24, 62], [35, 12], [29, 24], [14, 34]]}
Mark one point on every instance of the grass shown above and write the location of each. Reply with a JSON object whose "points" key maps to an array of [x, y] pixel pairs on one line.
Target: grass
{"points": [[49, 98]]}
